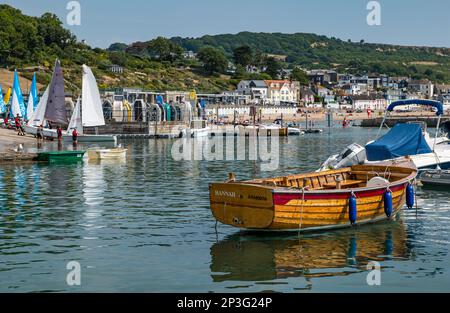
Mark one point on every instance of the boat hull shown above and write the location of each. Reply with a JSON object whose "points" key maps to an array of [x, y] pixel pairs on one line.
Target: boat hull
{"points": [[262, 207], [106, 154], [435, 178], [51, 133], [93, 138], [60, 156], [288, 211]]}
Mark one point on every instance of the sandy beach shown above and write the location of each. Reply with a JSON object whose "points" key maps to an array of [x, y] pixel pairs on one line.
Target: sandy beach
{"points": [[9, 139]]}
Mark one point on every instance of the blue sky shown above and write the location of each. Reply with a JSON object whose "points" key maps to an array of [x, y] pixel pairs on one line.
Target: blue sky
{"points": [[406, 22]]}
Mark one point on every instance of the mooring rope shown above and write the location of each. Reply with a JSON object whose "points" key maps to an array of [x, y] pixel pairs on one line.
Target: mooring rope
{"points": [[301, 210]]}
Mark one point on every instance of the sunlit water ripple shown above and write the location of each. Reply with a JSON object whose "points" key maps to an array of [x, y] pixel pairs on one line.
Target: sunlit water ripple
{"points": [[144, 225]]}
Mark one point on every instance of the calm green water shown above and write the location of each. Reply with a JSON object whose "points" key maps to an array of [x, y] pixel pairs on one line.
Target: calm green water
{"points": [[144, 225]]}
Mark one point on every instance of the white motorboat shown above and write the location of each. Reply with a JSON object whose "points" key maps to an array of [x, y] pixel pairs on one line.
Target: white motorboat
{"points": [[410, 139], [198, 128], [103, 154]]}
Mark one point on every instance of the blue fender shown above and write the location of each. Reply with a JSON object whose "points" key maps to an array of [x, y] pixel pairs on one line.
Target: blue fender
{"points": [[352, 209]]}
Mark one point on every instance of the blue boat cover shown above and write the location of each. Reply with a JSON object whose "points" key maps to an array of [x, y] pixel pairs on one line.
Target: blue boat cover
{"points": [[401, 140], [436, 104]]}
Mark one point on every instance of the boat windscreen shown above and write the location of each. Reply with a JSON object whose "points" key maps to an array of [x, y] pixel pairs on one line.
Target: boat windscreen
{"points": [[401, 140]]}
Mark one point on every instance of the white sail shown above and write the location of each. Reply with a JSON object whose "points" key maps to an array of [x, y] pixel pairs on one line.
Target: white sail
{"points": [[37, 117], [92, 112], [30, 105], [75, 120]]}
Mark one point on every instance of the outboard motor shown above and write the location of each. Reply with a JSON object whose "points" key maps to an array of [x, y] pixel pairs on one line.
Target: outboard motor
{"points": [[353, 154], [445, 129]]}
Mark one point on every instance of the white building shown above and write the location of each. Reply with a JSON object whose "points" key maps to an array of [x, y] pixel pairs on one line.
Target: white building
{"points": [[364, 103], [256, 89], [282, 91], [425, 87]]}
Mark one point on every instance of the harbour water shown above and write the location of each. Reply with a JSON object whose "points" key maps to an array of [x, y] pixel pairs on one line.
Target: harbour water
{"points": [[144, 225]]}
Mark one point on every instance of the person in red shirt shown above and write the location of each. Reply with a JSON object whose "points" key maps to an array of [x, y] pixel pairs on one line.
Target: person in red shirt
{"points": [[19, 128], [59, 132], [17, 122], [74, 135]]}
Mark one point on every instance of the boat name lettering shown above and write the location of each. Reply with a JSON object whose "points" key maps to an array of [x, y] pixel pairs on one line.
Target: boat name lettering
{"points": [[258, 198], [223, 193]]}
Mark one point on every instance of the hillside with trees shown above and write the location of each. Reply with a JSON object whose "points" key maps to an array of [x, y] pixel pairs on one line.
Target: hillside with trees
{"points": [[312, 51], [33, 43]]}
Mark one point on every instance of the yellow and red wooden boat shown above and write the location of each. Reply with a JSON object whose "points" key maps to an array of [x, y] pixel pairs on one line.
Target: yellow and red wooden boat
{"points": [[314, 201]]}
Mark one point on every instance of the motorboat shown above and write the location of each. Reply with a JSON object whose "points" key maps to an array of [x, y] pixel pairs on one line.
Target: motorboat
{"points": [[404, 139], [436, 177], [265, 130], [198, 128]]}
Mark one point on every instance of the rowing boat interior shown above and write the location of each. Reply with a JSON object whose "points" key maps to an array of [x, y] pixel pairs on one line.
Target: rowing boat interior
{"points": [[359, 176]]}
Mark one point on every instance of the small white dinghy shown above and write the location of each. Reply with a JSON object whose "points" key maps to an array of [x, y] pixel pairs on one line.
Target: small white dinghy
{"points": [[106, 154]]}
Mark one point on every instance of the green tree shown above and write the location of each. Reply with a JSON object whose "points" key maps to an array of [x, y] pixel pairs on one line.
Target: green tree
{"points": [[214, 60], [300, 76], [118, 46], [243, 55], [164, 49], [273, 68], [119, 58], [50, 28]]}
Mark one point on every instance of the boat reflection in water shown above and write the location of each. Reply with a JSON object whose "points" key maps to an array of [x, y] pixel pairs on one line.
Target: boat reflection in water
{"points": [[248, 257]]}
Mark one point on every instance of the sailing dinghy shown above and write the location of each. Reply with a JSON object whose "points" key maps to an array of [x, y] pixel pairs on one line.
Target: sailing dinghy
{"points": [[52, 108], [89, 113]]}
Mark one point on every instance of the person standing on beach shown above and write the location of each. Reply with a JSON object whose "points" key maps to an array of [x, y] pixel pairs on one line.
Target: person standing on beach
{"points": [[40, 135], [18, 123]]}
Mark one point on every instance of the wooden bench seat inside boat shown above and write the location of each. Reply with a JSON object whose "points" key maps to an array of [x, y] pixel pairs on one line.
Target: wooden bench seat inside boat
{"points": [[347, 178], [344, 184]]}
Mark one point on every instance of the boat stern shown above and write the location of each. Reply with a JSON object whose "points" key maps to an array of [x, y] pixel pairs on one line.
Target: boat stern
{"points": [[242, 205]]}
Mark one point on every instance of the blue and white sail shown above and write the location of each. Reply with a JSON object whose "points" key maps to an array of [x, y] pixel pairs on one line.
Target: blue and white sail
{"points": [[33, 99], [17, 103], [2, 103]]}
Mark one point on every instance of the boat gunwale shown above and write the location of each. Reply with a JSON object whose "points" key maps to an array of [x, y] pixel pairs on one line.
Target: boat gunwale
{"points": [[296, 190]]}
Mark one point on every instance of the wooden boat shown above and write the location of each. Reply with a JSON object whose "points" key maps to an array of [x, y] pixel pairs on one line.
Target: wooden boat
{"points": [[263, 131], [61, 156], [116, 153], [313, 201]]}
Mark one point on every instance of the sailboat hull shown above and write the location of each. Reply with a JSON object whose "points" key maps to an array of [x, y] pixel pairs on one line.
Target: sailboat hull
{"points": [[94, 138], [51, 133]]}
